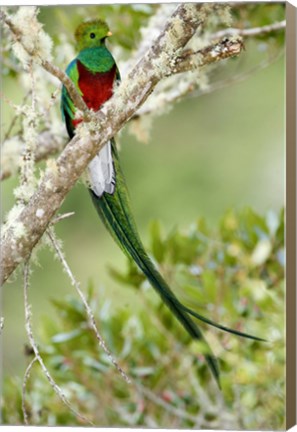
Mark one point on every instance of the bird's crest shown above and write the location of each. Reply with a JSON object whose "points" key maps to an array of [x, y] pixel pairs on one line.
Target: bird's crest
{"points": [[92, 33]]}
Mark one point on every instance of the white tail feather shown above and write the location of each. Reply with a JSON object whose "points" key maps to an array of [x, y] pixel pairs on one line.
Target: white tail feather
{"points": [[101, 172]]}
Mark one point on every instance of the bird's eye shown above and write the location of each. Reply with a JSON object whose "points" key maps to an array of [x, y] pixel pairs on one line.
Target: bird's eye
{"points": [[92, 35]]}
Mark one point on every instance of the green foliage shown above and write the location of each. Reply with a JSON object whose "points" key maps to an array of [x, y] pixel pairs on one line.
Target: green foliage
{"points": [[234, 275]]}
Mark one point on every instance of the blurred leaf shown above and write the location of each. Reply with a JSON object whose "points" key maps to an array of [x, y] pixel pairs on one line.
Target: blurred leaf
{"points": [[63, 337]]}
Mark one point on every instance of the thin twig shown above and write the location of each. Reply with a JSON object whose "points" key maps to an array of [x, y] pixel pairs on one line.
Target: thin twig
{"points": [[15, 118], [47, 108], [25, 380], [90, 314], [62, 217], [29, 331], [251, 32]]}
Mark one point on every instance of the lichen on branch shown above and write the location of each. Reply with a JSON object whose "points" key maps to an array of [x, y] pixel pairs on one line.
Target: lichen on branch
{"points": [[36, 46], [30, 40]]}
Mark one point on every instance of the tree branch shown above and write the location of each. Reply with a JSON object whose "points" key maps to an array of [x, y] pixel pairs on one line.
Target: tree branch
{"points": [[154, 27], [225, 48], [252, 32], [34, 218], [24, 386], [50, 144]]}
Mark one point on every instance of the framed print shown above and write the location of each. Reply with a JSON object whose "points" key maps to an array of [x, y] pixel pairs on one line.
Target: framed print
{"points": [[148, 244]]}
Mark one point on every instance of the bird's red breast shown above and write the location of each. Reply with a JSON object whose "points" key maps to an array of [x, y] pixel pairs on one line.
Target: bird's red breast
{"points": [[96, 88]]}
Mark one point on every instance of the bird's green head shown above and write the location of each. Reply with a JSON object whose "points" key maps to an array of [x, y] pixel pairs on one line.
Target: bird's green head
{"points": [[91, 34]]}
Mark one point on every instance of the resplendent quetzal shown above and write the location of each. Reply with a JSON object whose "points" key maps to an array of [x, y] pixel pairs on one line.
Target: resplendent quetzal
{"points": [[94, 73]]}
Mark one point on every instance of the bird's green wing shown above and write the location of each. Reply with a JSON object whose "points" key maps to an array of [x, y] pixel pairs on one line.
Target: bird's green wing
{"points": [[67, 106]]}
